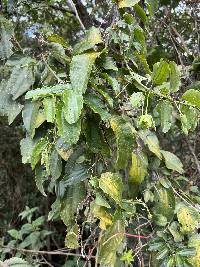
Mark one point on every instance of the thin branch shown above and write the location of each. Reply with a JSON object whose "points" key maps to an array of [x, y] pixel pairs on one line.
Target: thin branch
{"points": [[194, 156], [43, 252], [76, 13]]}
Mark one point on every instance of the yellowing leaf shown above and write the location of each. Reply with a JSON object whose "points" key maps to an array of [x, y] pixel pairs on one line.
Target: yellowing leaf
{"points": [[188, 218], [111, 184], [102, 214], [138, 168], [172, 161], [124, 133], [92, 37], [71, 239], [109, 244], [127, 3]]}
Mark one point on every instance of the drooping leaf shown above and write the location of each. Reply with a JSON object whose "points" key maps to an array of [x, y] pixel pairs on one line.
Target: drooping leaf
{"points": [[21, 78], [193, 97], [92, 38], [78, 174], [138, 168], [73, 104], [6, 33], [164, 202], [71, 202], [26, 145], [151, 140], [69, 132], [55, 165], [8, 107], [141, 13], [160, 72], [40, 178], [110, 243], [37, 151], [49, 104], [29, 114], [102, 214], [94, 136], [127, 3], [111, 184], [51, 91], [165, 109], [97, 106], [71, 239], [80, 69], [125, 138], [172, 161], [175, 77]]}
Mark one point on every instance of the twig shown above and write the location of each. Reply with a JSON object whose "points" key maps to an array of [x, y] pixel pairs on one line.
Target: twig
{"points": [[76, 13], [194, 156], [43, 252]]}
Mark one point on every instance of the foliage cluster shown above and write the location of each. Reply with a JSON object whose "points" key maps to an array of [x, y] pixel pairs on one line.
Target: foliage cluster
{"points": [[98, 118]]}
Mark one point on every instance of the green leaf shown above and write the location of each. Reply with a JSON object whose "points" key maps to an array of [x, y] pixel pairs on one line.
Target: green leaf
{"points": [[29, 115], [125, 137], [51, 91], [55, 165], [175, 77], [151, 140], [141, 13], [21, 78], [172, 161], [109, 64], [80, 69], [78, 174], [8, 107], [160, 72], [173, 228], [73, 104], [137, 99], [49, 104], [94, 136], [94, 102], [37, 151], [127, 3], [40, 178], [92, 38], [186, 252], [193, 97], [128, 257], [165, 110], [111, 184], [69, 132], [138, 168], [146, 121], [15, 234], [26, 145], [57, 51], [71, 202], [16, 262], [164, 202], [7, 32], [110, 243]]}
